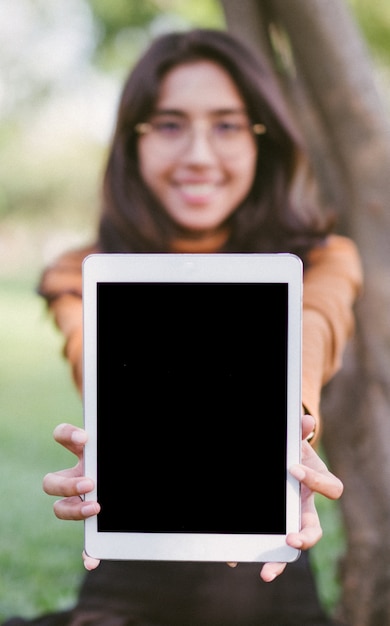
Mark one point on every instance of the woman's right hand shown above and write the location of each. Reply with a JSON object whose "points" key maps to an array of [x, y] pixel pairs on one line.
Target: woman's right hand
{"points": [[70, 484]]}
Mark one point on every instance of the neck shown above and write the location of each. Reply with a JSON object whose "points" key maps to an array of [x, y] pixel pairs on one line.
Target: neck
{"points": [[210, 242]]}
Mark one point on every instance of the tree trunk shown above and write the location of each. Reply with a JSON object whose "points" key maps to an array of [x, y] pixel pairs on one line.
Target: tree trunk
{"points": [[336, 102]]}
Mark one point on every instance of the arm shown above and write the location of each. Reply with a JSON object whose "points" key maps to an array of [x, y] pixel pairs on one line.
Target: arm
{"points": [[332, 283], [61, 286]]}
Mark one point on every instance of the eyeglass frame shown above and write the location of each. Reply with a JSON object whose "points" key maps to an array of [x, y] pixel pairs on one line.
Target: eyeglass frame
{"points": [[144, 128]]}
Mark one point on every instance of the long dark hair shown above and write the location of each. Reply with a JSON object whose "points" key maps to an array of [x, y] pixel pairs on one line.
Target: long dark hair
{"points": [[272, 218]]}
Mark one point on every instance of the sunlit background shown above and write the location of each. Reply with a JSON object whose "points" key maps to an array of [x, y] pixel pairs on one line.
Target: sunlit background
{"points": [[62, 64], [61, 69]]}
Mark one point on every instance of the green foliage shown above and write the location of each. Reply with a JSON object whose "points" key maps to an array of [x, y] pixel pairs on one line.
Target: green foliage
{"points": [[120, 25], [114, 15], [204, 13], [374, 21], [124, 26]]}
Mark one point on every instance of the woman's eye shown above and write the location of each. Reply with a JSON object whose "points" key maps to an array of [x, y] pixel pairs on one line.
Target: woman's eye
{"points": [[169, 127], [228, 127]]}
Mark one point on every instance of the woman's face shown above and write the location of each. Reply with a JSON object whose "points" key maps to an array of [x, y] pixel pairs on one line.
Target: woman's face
{"points": [[197, 153]]}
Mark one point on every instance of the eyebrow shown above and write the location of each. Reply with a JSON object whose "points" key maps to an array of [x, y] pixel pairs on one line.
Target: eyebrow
{"points": [[214, 112]]}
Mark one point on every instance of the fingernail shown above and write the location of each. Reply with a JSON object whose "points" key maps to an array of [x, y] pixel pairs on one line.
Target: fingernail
{"points": [[297, 471], [88, 509], [78, 436], [83, 486]]}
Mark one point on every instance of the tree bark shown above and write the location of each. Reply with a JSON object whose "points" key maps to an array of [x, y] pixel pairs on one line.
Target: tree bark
{"points": [[331, 87]]}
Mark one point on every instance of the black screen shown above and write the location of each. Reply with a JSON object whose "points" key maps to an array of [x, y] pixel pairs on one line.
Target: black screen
{"points": [[192, 396]]}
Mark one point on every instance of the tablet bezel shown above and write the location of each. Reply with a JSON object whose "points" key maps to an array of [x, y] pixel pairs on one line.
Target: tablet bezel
{"points": [[194, 268]]}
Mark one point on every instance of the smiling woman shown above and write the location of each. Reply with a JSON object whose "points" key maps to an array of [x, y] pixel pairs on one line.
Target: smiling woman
{"points": [[203, 88]]}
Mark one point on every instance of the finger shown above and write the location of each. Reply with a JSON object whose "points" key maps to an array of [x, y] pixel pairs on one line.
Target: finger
{"points": [[310, 533], [66, 483], [71, 437], [270, 571], [308, 425], [311, 458], [232, 564], [89, 562], [75, 509], [324, 483]]}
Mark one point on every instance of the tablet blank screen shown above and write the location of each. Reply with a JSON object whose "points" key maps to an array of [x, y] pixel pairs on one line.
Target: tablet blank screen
{"points": [[192, 401]]}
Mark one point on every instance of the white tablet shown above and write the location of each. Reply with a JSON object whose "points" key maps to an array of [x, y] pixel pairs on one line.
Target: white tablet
{"points": [[192, 400]]}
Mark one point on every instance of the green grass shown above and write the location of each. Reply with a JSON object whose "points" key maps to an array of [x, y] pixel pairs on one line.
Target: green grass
{"points": [[40, 562]]}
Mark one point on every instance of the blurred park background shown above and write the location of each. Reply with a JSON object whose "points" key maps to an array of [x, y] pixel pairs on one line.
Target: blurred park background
{"points": [[61, 68]]}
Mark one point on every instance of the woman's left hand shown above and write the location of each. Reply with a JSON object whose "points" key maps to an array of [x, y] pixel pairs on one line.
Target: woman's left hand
{"points": [[314, 477]]}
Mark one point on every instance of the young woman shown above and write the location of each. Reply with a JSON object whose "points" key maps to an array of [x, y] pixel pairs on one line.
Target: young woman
{"points": [[205, 158]]}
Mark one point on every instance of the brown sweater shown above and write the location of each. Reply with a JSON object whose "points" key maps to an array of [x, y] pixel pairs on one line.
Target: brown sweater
{"points": [[332, 282]]}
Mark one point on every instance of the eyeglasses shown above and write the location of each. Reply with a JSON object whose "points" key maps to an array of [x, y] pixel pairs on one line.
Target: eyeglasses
{"points": [[229, 135]]}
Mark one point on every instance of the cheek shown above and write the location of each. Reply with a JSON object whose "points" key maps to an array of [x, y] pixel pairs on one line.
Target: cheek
{"points": [[245, 174], [150, 167]]}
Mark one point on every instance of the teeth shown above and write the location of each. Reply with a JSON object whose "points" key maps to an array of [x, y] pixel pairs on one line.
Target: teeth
{"points": [[198, 188]]}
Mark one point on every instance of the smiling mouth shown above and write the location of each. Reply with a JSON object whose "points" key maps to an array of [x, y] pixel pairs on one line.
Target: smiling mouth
{"points": [[197, 189]]}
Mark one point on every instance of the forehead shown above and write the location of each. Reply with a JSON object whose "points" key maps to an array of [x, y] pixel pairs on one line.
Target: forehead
{"points": [[200, 85]]}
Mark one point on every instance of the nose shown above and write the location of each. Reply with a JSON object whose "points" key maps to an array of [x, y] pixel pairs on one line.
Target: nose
{"points": [[199, 148]]}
